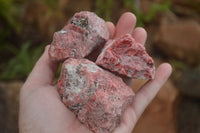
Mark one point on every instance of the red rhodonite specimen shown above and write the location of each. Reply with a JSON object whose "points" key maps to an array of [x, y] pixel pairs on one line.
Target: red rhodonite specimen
{"points": [[127, 57], [97, 97], [84, 32]]}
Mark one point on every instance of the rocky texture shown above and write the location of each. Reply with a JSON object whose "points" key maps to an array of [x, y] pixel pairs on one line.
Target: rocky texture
{"points": [[82, 34], [160, 115], [188, 116], [187, 4], [189, 82], [9, 106], [98, 98], [127, 57], [3, 110], [179, 39]]}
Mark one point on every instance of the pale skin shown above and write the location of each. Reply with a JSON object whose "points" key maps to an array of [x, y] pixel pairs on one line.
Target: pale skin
{"points": [[41, 110]]}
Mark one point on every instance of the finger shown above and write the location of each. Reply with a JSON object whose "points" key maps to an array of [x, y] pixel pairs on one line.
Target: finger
{"points": [[125, 24], [111, 29], [146, 93], [43, 71], [140, 35]]}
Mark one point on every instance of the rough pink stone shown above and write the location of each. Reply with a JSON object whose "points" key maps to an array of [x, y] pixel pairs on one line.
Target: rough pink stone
{"points": [[127, 57], [83, 33], [97, 97]]}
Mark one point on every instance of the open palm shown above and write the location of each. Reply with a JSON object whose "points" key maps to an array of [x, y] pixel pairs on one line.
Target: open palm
{"points": [[41, 110]]}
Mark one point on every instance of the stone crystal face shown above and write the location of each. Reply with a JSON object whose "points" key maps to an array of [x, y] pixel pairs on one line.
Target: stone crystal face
{"points": [[83, 33], [97, 97], [127, 57]]}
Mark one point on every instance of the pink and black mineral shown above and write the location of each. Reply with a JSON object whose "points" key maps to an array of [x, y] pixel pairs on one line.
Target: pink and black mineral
{"points": [[127, 57], [97, 97], [82, 34]]}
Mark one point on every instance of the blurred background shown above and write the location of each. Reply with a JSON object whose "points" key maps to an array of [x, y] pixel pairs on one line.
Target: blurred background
{"points": [[173, 27]]}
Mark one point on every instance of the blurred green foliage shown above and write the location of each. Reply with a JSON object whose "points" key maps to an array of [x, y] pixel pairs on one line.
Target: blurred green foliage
{"points": [[22, 55], [104, 8], [178, 64], [53, 7], [10, 11], [149, 16], [58, 72], [10, 27], [53, 4], [22, 62]]}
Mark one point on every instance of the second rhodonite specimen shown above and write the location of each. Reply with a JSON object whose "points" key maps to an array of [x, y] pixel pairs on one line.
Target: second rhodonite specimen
{"points": [[82, 34], [97, 97], [127, 57]]}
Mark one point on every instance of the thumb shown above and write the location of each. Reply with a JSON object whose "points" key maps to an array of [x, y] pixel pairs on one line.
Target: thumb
{"points": [[44, 70]]}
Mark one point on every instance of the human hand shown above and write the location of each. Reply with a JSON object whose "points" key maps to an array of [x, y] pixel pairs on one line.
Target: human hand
{"points": [[41, 109]]}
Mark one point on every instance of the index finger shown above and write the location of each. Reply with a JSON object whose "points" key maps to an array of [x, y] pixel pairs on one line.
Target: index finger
{"points": [[125, 24]]}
